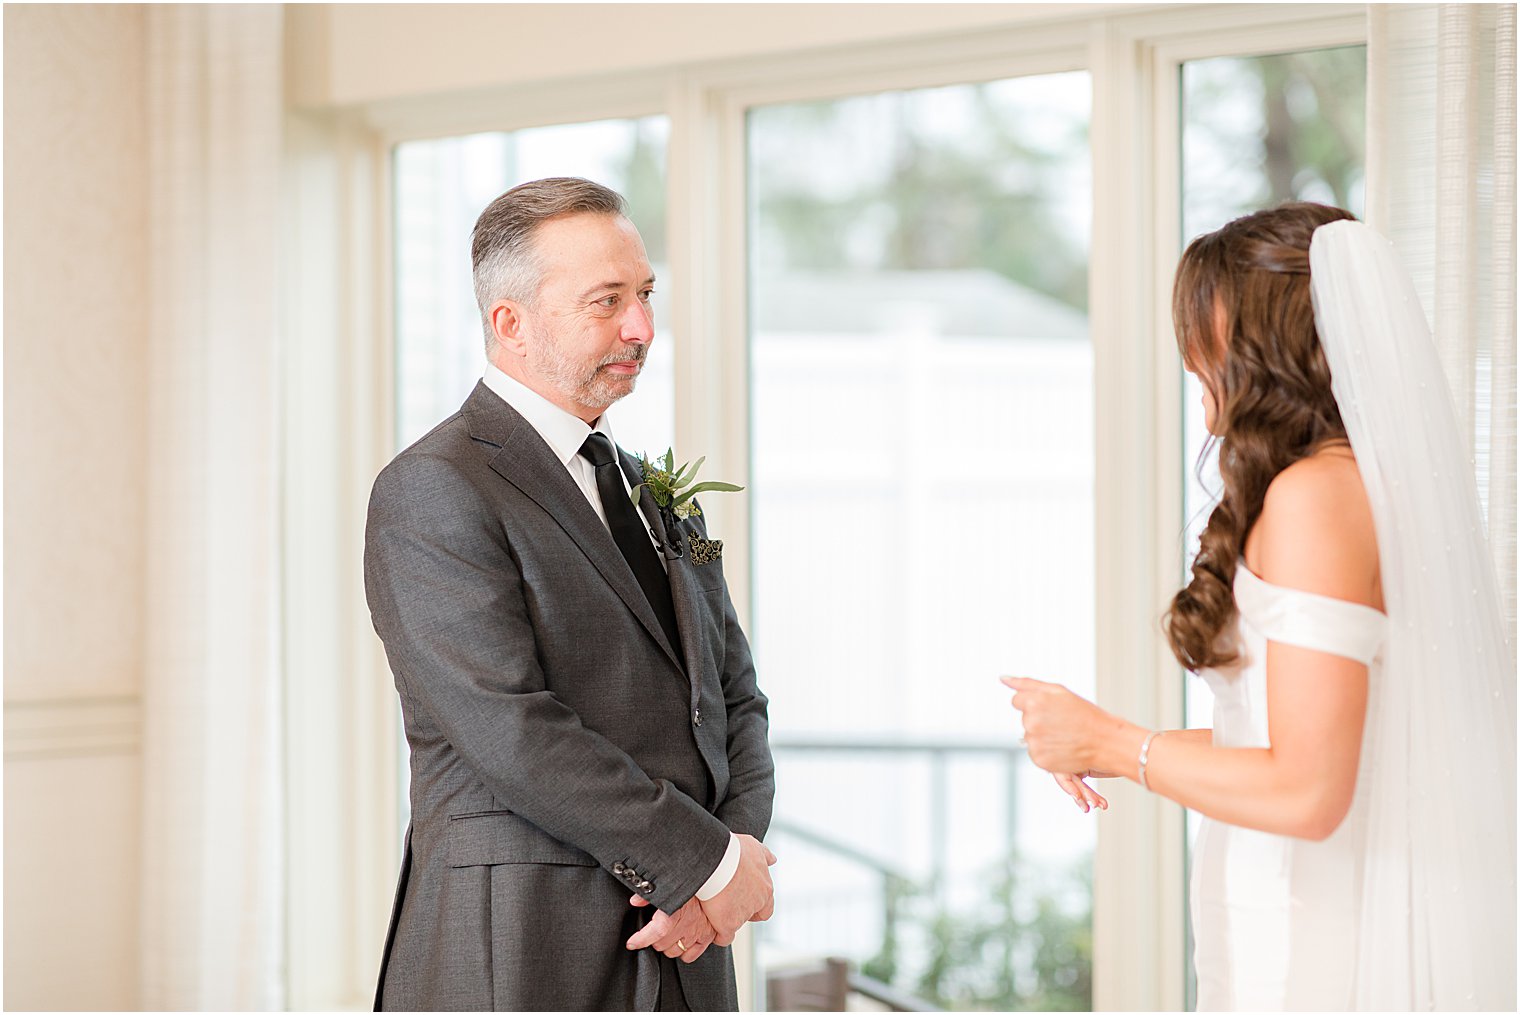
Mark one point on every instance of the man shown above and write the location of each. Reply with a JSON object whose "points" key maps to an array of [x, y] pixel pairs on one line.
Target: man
{"points": [[590, 771]]}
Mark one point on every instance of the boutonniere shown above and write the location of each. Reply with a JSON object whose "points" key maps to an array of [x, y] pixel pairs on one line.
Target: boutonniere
{"points": [[674, 491]]}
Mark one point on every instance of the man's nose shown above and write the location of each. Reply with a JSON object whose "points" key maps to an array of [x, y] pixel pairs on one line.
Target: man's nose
{"points": [[638, 323]]}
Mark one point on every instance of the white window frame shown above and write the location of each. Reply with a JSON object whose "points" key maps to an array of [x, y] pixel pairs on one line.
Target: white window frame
{"points": [[343, 852]]}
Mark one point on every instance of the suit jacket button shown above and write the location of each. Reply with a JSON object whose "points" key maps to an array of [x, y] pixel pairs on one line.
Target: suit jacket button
{"points": [[619, 869], [646, 887], [696, 717]]}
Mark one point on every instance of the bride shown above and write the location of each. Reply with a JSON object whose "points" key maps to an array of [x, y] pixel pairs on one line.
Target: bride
{"points": [[1358, 785]]}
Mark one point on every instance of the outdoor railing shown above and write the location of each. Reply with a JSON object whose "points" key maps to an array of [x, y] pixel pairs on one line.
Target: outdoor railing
{"points": [[939, 753], [895, 886]]}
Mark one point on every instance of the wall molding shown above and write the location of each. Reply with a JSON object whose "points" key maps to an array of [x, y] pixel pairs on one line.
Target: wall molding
{"points": [[73, 727]]}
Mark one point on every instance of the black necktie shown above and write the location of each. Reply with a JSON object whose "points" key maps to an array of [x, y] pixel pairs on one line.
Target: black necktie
{"points": [[628, 531]]}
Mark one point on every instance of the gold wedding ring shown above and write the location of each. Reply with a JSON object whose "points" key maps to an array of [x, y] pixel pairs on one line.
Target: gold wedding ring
{"points": [[680, 944]]}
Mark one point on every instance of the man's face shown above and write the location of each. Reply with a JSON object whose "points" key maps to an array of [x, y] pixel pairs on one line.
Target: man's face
{"points": [[590, 326]]}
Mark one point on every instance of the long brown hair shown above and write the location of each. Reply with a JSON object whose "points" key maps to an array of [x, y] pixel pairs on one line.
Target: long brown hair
{"points": [[1245, 323]]}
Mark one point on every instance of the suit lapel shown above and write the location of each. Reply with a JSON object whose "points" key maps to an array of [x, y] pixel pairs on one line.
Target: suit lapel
{"points": [[527, 462], [684, 597]]}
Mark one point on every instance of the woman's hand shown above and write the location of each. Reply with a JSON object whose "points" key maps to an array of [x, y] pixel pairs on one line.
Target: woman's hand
{"points": [[1086, 797], [1061, 729]]}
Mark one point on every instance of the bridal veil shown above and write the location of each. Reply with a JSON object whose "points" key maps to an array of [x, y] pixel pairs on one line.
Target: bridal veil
{"points": [[1438, 758]]}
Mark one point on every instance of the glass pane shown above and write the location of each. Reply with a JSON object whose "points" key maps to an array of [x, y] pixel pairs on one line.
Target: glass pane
{"points": [[441, 187], [922, 501], [1258, 131]]}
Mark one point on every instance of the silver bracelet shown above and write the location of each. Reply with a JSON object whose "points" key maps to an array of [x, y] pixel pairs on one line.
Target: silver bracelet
{"points": [[1145, 756]]}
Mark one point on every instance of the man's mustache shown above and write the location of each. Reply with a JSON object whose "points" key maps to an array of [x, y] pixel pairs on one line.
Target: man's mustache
{"points": [[636, 355]]}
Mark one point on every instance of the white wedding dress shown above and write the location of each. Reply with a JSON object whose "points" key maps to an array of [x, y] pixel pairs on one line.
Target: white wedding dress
{"points": [[1410, 904], [1275, 919]]}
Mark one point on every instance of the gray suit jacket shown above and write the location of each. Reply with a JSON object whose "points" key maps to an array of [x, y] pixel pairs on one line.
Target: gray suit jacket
{"points": [[562, 756]]}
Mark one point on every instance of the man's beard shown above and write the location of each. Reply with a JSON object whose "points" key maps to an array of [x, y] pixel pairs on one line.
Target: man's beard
{"points": [[594, 387]]}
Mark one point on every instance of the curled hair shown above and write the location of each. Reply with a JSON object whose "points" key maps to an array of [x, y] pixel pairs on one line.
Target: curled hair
{"points": [[1244, 319], [501, 247]]}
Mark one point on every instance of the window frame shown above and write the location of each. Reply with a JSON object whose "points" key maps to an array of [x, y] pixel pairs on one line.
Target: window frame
{"points": [[342, 852], [1139, 922]]}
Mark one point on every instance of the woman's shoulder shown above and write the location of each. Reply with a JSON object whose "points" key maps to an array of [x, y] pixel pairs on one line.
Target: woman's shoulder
{"points": [[1322, 479], [1316, 530]]}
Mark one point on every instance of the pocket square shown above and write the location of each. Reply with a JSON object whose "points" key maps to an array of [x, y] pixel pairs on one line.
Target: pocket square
{"points": [[704, 551]]}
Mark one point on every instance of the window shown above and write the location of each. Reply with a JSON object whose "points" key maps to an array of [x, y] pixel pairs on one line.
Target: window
{"points": [[848, 265], [441, 187], [922, 512], [1258, 131]]}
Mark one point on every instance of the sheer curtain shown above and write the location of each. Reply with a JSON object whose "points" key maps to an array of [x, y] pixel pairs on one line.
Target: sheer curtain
{"points": [[212, 870], [1441, 186]]}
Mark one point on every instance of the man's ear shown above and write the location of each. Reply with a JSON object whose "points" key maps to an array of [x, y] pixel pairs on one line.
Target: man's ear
{"points": [[507, 324]]}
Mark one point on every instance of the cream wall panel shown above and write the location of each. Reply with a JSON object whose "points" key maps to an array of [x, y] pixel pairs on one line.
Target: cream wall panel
{"points": [[75, 349], [346, 54], [71, 728], [75, 454], [71, 905]]}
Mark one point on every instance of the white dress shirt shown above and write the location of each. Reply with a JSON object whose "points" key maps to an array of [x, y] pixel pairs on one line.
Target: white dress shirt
{"points": [[565, 432]]}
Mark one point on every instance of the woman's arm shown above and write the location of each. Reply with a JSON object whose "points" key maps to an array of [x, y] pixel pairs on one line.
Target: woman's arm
{"points": [[1204, 737], [1076, 787], [1315, 533], [1301, 786], [1194, 736]]}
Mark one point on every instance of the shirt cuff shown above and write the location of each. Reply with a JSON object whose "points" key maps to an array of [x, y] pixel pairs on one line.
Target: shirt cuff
{"points": [[725, 872]]}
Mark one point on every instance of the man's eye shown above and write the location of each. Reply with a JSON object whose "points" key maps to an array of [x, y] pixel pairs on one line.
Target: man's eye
{"points": [[646, 294], [608, 301]]}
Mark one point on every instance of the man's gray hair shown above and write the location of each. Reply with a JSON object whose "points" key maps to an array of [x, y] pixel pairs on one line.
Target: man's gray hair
{"points": [[506, 266]]}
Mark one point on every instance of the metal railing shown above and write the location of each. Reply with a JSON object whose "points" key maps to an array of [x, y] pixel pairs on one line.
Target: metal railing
{"points": [[896, 887], [939, 753]]}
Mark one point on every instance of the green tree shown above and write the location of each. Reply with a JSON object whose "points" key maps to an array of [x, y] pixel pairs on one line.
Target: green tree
{"points": [[1027, 947], [643, 173], [1314, 111], [980, 198]]}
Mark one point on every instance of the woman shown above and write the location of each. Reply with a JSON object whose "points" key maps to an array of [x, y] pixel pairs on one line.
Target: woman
{"points": [[1358, 786]]}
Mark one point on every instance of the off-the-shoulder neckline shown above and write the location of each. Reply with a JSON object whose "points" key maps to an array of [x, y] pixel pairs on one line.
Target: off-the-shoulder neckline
{"points": [[1242, 570]]}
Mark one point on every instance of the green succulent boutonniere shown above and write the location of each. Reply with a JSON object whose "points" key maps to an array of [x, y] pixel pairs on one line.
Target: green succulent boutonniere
{"points": [[673, 489]]}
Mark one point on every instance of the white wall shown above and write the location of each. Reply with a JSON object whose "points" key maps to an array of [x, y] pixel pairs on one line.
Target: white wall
{"points": [[75, 454]]}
